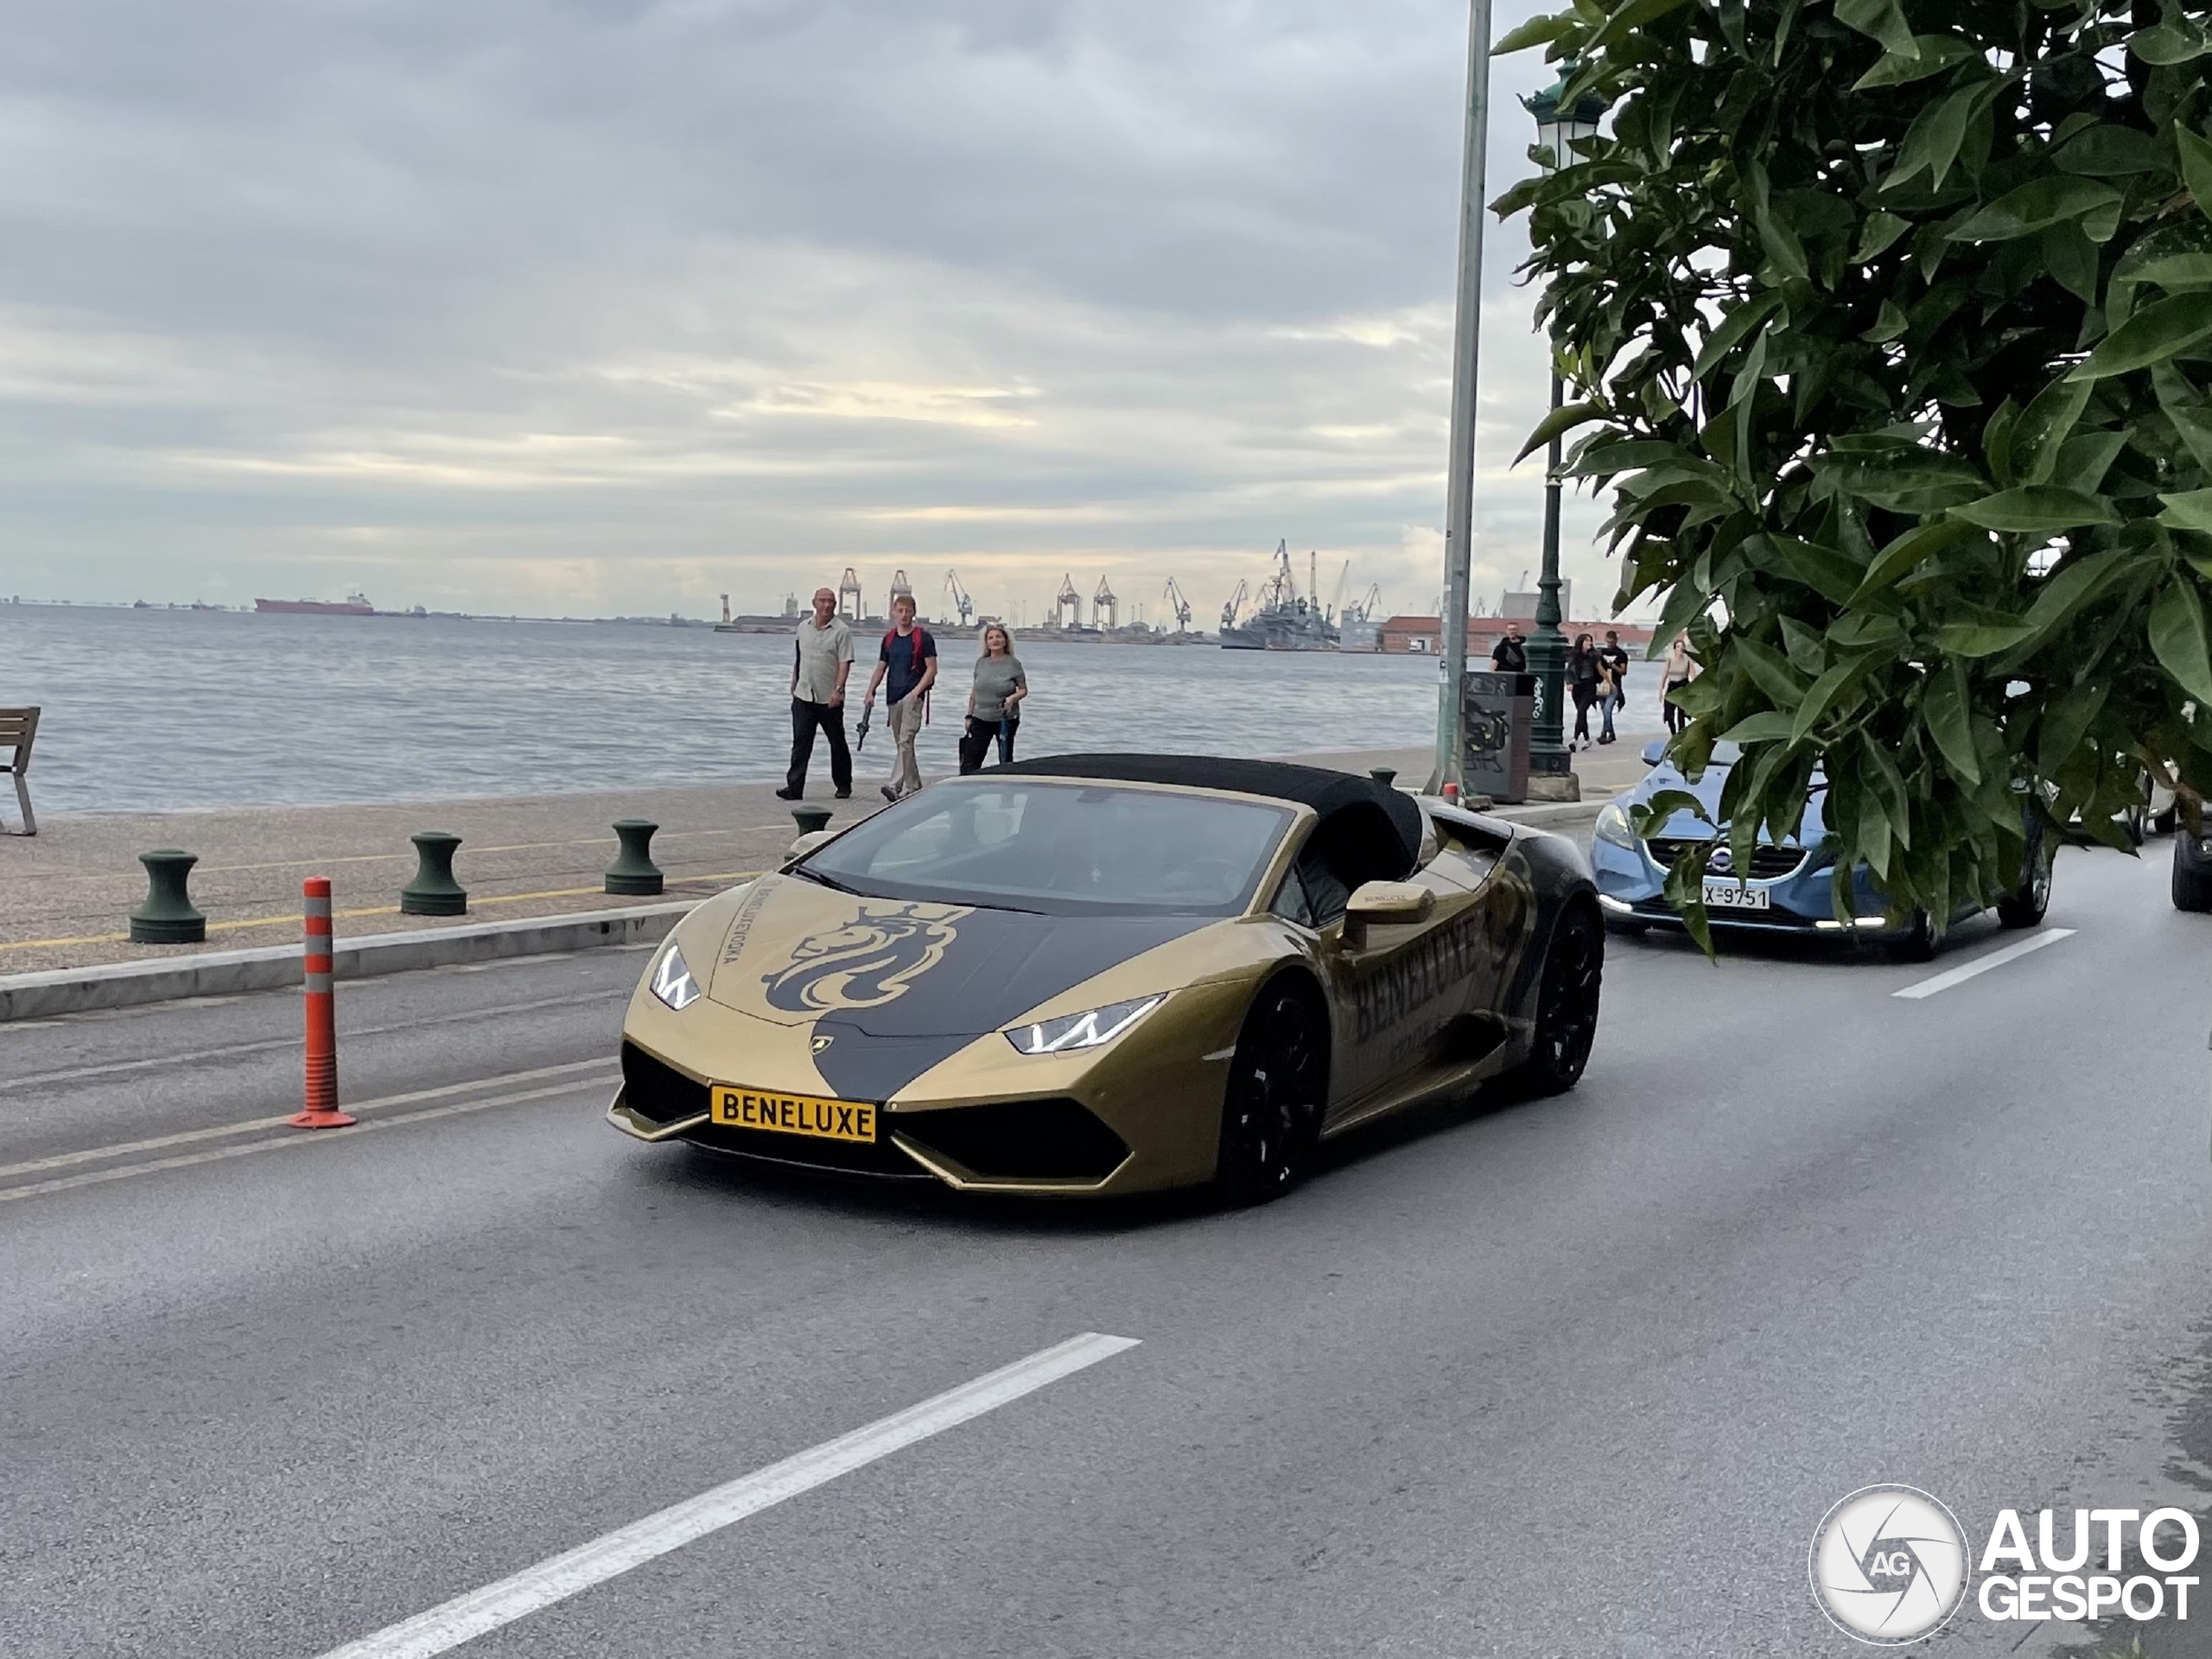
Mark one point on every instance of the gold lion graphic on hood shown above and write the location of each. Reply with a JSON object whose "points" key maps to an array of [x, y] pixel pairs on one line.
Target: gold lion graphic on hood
{"points": [[869, 962]]}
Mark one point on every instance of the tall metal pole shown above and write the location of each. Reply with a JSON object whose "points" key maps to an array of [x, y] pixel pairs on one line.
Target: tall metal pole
{"points": [[1547, 753], [1466, 340]]}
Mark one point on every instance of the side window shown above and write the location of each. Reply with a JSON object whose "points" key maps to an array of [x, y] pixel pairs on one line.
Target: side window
{"points": [[1325, 893], [1290, 901]]}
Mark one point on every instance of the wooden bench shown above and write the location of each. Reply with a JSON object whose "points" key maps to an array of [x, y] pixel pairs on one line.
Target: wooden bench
{"points": [[18, 727]]}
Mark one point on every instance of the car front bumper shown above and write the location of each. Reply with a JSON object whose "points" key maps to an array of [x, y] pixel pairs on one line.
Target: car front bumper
{"points": [[1631, 892]]}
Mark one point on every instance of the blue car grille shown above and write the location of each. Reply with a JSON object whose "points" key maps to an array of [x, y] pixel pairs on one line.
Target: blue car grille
{"points": [[1768, 862]]}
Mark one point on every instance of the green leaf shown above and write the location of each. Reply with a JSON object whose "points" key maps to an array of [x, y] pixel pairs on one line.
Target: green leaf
{"points": [[2168, 43], [1881, 20], [1537, 31], [1769, 671], [2051, 199], [1824, 693], [1629, 18], [1563, 419], [1936, 53], [2085, 458], [2044, 427], [2153, 334], [1732, 327], [2189, 510], [1888, 324], [1943, 709], [2177, 637], [1932, 144], [1875, 236], [1767, 727], [2073, 585], [2105, 151], [1980, 639], [2196, 166], [2037, 509], [1828, 571]]}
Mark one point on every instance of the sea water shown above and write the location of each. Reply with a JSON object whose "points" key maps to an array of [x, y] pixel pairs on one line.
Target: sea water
{"points": [[149, 710]]}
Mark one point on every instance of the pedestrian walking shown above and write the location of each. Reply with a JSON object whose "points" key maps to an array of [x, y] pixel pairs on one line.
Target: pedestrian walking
{"points": [[1616, 661], [994, 702], [906, 667], [1680, 670], [1510, 655], [1585, 674], [822, 659]]}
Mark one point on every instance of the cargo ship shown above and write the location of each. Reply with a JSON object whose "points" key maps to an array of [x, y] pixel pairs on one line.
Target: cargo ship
{"points": [[354, 604]]}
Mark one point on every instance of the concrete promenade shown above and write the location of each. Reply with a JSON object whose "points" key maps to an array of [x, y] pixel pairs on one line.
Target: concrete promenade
{"points": [[66, 894]]}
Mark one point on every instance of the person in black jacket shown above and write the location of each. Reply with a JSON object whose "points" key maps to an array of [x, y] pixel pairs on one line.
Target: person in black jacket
{"points": [[1509, 655], [1585, 672]]}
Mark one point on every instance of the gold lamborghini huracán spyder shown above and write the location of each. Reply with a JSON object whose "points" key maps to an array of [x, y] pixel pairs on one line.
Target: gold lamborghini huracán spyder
{"points": [[1111, 973]]}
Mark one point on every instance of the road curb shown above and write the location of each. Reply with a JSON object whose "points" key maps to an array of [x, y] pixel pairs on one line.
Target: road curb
{"points": [[226, 973], [1551, 814]]}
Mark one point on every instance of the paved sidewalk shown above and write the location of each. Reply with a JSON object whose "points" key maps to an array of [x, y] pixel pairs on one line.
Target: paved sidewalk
{"points": [[65, 894]]}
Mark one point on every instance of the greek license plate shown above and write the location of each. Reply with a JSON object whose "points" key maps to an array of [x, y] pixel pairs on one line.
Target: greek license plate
{"points": [[823, 1120], [1726, 895]]}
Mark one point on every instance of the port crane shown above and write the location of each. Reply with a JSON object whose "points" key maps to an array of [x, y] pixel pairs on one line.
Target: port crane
{"points": [[1173, 595], [1364, 608], [1235, 604], [1105, 609], [849, 594], [1067, 605], [960, 602], [900, 588]]}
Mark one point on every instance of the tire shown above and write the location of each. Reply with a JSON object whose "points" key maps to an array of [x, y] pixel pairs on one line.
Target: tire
{"points": [[2025, 907], [1915, 943], [1271, 1109], [2192, 885], [2162, 823], [1567, 1007]]}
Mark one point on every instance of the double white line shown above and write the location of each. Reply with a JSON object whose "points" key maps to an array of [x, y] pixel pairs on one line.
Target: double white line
{"points": [[573, 1075]]}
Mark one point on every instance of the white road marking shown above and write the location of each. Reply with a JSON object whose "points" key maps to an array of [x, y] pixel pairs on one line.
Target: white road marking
{"points": [[465, 1618], [1965, 971], [185, 1137], [280, 1142]]}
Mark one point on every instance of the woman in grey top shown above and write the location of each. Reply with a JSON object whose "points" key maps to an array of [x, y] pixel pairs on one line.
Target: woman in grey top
{"points": [[995, 703]]}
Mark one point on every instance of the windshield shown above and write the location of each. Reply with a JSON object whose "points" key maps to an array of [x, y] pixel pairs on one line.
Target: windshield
{"points": [[1059, 847]]}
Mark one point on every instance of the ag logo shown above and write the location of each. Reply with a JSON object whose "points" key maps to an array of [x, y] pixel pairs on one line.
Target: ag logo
{"points": [[870, 960], [823, 1039], [1889, 1565]]}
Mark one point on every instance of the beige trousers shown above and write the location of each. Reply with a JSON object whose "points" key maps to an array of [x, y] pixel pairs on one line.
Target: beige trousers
{"points": [[906, 720]]}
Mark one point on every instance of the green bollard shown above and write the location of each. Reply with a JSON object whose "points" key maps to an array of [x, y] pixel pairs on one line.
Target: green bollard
{"points": [[434, 891], [811, 818], [1382, 775], [633, 874], [167, 917]]}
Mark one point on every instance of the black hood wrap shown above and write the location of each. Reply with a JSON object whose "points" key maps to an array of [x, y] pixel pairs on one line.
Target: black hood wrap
{"points": [[998, 965]]}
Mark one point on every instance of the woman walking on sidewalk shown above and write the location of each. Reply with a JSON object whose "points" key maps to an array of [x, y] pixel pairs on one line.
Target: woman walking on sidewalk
{"points": [[995, 703], [1584, 674], [1679, 671]]}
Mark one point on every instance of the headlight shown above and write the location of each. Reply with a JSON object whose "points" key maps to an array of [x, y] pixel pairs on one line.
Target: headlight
{"points": [[1088, 1029], [1614, 827], [672, 981]]}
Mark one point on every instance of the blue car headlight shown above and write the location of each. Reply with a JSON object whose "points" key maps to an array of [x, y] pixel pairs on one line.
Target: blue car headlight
{"points": [[1614, 828], [672, 982], [1092, 1029]]}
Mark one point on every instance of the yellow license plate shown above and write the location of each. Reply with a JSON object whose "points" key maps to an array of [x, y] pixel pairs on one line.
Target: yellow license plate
{"points": [[823, 1120]]}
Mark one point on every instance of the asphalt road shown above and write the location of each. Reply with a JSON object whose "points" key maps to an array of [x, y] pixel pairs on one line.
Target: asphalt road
{"points": [[1576, 1378]]}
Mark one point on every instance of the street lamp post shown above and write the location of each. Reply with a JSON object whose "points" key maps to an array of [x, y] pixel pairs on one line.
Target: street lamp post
{"points": [[1551, 769]]}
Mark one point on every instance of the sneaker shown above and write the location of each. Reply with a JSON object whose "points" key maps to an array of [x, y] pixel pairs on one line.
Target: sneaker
{"points": [[891, 795], [791, 794], [842, 795]]}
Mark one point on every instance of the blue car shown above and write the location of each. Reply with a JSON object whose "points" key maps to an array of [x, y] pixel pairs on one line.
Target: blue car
{"points": [[1789, 886]]}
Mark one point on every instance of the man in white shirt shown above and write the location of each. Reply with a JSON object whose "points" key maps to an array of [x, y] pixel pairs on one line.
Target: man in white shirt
{"points": [[822, 657]]}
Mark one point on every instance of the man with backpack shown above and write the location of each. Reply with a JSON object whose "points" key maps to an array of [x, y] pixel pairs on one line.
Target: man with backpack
{"points": [[908, 662]]}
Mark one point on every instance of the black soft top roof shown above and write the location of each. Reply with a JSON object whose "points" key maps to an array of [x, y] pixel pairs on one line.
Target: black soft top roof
{"points": [[1375, 828]]}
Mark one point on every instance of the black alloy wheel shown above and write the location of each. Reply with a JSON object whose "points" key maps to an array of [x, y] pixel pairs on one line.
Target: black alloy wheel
{"points": [[1271, 1111], [2026, 905], [1566, 1007]]}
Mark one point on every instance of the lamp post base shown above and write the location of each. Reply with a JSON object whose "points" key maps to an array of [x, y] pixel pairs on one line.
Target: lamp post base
{"points": [[1555, 787]]}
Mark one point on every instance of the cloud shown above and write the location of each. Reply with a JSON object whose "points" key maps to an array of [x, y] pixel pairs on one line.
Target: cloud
{"points": [[632, 303]]}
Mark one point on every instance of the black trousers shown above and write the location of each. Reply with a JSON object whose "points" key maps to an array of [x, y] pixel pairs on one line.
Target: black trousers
{"points": [[1676, 717], [976, 743], [806, 717]]}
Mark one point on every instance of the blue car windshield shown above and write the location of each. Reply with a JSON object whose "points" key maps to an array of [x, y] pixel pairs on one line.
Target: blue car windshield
{"points": [[1059, 848]]}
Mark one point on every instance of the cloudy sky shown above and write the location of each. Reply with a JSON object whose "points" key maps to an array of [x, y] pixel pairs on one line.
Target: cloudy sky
{"points": [[600, 306]]}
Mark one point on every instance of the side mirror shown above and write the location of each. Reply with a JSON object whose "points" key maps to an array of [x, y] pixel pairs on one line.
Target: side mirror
{"points": [[807, 843], [1655, 752], [1385, 903]]}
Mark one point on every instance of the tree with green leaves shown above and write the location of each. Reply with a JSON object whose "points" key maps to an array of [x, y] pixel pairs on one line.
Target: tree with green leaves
{"points": [[1890, 327]]}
